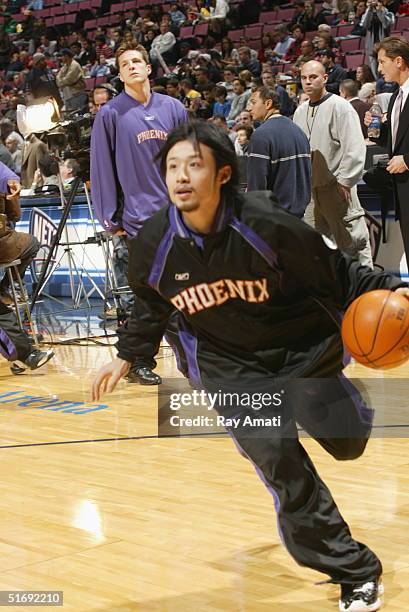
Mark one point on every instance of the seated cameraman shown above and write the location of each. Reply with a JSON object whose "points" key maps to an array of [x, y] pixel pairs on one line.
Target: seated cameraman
{"points": [[46, 179], [100, 96], [13, 245]]}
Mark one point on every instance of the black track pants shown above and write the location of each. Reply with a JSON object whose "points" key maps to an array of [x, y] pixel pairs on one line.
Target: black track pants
{"points": [[311, 527]]}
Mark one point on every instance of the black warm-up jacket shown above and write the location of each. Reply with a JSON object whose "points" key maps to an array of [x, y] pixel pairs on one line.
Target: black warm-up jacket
{"points": [[263, 297]]}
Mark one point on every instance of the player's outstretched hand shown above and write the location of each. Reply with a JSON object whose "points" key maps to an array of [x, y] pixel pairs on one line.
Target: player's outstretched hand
{"points": [[108, 377], [403, 291]]}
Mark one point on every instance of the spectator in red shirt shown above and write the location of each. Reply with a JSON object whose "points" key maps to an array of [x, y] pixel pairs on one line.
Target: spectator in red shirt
{"points": [[102, 48]]}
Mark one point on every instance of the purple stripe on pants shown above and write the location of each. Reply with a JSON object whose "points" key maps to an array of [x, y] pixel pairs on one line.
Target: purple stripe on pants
{"points": [[366, 414], [270, 489]]}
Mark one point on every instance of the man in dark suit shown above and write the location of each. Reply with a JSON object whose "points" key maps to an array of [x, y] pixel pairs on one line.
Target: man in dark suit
{"points": [[348, 89], [393, 60]]}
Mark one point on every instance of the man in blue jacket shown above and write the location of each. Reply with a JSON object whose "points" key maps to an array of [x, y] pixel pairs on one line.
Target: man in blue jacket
{"points": [[279, 154]]}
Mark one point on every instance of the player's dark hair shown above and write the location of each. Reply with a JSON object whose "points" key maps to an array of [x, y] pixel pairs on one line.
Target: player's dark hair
{"points": [[208, 134]]}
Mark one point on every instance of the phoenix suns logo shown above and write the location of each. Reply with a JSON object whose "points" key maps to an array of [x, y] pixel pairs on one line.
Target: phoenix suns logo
{"points": [[207, 295]]}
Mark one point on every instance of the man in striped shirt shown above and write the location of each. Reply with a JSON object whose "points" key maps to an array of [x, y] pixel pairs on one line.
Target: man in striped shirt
{"points": [[279, 154]]}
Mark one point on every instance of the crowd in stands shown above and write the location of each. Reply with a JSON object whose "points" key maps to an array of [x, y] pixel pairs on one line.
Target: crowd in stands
{"points": [[210, 54]]}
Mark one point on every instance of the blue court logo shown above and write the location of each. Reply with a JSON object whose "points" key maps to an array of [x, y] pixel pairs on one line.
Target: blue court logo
{"points": [[21, 400]]}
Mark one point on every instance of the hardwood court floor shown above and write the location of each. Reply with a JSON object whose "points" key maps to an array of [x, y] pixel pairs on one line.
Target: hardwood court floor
{"points": [[171, 525]]}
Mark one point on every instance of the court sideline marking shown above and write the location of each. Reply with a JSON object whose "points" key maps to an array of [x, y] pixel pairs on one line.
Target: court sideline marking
{"points": [[222, 433]]}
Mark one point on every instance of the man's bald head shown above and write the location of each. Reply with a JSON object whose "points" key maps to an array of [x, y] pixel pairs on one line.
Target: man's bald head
{"points": [[313, 80], [313, 66]]}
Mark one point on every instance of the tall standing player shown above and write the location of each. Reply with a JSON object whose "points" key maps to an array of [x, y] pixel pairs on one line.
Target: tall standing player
{"points": [[126, 183], [255, 302]]}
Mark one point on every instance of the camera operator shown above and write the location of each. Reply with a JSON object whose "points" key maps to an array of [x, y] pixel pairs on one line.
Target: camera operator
{"points": [[13, 245], [69, 169], [46, 177], [100, 96], [377, 22]]}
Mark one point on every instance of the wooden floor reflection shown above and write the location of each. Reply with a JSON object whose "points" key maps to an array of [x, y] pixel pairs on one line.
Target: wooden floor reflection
{"points": [[95, 505]]}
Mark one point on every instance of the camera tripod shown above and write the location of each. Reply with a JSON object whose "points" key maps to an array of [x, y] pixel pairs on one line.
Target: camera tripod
{"points": [[77, 272]]}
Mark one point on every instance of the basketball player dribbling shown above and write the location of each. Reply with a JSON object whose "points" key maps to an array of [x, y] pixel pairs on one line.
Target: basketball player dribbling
{"points": [[258, 294]]}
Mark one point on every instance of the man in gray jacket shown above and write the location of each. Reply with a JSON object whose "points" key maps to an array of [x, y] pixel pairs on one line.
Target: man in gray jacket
{"points": [[338, 159], [70, 79]]}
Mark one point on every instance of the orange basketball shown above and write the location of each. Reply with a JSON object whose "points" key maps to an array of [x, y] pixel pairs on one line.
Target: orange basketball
{"points": [[375, 329]]}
